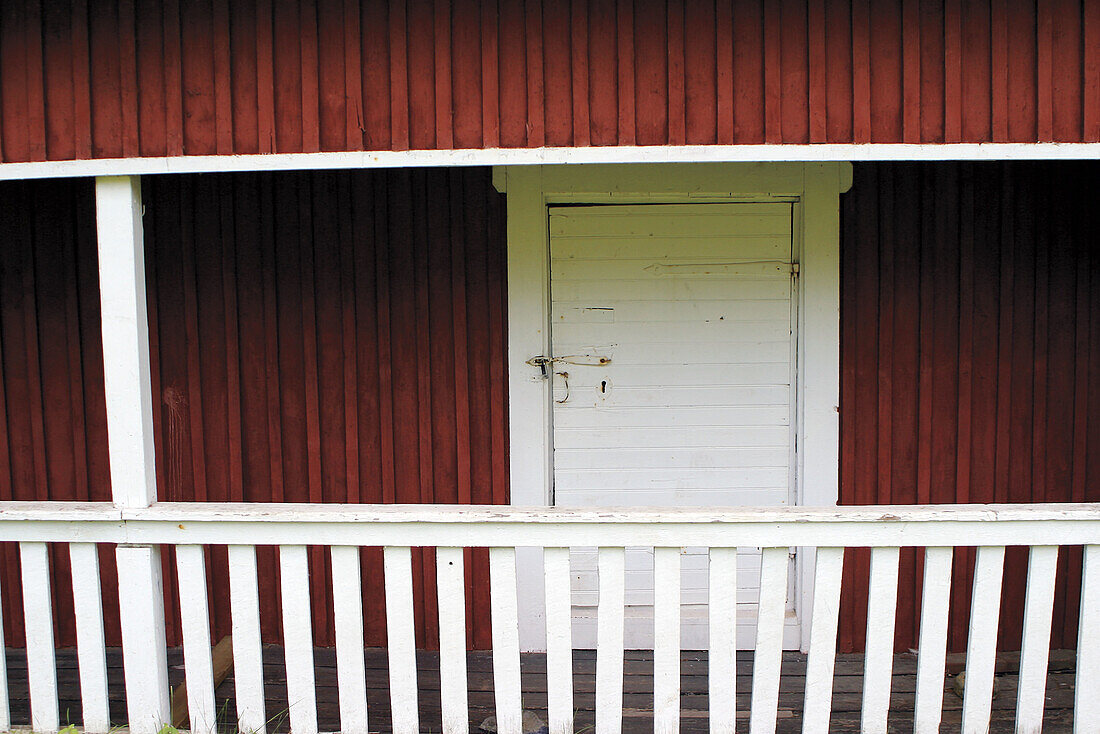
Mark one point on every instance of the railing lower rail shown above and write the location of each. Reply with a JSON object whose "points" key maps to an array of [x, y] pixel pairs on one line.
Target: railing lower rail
{"points": [[343, 529]]}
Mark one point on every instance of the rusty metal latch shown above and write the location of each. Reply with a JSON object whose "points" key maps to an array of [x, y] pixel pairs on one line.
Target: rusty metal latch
{"points": [[581, 360]]}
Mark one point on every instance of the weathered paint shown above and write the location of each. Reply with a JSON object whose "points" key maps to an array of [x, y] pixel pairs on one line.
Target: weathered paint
{"points": [[124, 79], [970, 361]]}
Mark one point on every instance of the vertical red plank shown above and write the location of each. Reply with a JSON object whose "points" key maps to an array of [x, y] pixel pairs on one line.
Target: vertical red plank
{"points": [[911, 62], [377, 62], [81, 73], [774, 72], [290, 59], [839, 75], [58, 87], [1091, 71], [1044, 70], [624, 40], [794, 109], [335, 95], [223, 89], [507, 91], [234, 448], [932, 76], [444, 137], [536, 84], [468, 72], [353, 77], [676, 82], [35, 81], [490, 72], [579, 48], [651, 104], [1023, 99], [966, 340], [173, 80], [861, 71], [399, 77], [1068, 83], [999, 22], [952, 62], [818, 67], [421, 74], [128, 78], [886, 71], [603, 87], [724, 77], [700, 63], [977, 81], [197, 51], [558, 83], [310, 101]]}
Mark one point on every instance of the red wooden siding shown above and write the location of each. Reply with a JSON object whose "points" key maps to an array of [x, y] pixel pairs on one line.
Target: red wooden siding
{"points": [[118, 78], [970, 359], [333, 337]]}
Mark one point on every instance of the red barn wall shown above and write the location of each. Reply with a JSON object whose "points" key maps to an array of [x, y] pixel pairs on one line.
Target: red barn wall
{"points": [[970, 322], [329, 337], [117, 78]]}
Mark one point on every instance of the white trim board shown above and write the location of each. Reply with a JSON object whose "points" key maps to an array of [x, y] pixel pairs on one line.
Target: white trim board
{"points": [[814, 152], [814, 188]]}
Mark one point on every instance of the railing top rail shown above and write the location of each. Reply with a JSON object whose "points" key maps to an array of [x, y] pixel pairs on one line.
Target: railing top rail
{"points": [[479, 525]]}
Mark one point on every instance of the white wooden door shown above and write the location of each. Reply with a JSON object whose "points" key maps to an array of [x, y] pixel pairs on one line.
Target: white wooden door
{"points": [[673, 338]]}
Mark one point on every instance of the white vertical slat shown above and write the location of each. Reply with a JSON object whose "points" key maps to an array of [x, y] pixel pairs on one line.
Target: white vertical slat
{"points": [[195, 625], [129, 406], [722, 656], [823, 627], [666, 641], [559, 640], [932, 648], [5, 707], [144, 653], [878, 663], [401, 639], [248, 664], [451, 592], [609, 641], [298, 638], [505, 623], [1086, 705], [347, 607], [90, 648], [34, 558], [981, 648], [768, 657], [1042, 568]]}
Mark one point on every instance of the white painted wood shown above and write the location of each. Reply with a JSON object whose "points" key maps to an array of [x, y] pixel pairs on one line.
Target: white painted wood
{"points": [[5, 707], [1086, 712], [722, 621], [823, 629], [882, 602], [90, 648], [248, 670], [768, 655], [126, 376], [1042, 569], [34, 560], [347, 603], [645, 246], [298, 638], [526, 157], [609, 644], [559, 641], [401, 639], [981, 647], [195, 624], [505, 623], [144, 654], [932, 647], [451, 593], [666, 635]]}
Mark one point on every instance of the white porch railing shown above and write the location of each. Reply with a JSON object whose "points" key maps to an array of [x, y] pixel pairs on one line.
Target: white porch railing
{"points": [[343, 528]]}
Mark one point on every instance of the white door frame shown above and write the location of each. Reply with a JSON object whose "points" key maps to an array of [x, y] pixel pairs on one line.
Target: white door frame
{"points": [[815, 189]]}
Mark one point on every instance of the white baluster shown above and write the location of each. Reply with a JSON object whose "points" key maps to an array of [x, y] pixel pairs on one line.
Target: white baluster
{"points": [[981, 649], [401, 639], [298, 638], [195, 624], [90, 648], [505, 622], [451, 592], [34, 558], [1042, 569], [878, 663], [722, 656], [822, 658], [609, 641], [347, 602], [932, 648], [1086, 705], [559, 641], [666, 641], [248, 665], [768, 656]]}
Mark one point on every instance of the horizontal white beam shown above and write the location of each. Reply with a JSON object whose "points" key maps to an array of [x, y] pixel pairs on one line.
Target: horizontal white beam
{"points": [[534, 156], [432, 525]]}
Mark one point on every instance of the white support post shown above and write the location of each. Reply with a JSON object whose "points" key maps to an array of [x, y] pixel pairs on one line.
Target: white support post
{"points": [[128, 389]]}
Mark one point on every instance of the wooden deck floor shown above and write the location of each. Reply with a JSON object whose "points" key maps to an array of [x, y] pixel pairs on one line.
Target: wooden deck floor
{"points": [[637, 699]]}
